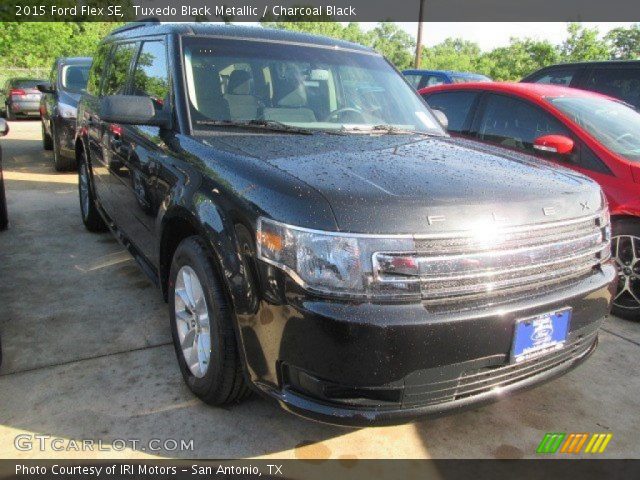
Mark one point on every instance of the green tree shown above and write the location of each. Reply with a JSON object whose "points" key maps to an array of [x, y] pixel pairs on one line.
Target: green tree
{"points": [[624, 43], [452, 54], [520, 58], [37, 44], [583, 44], [394, 43]]}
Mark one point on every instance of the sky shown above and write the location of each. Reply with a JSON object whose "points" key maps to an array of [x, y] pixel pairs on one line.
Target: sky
{"points": [[497, 34]]}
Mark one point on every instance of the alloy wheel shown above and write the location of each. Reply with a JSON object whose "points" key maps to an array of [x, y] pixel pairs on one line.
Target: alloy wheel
{"points": [[626, 252], [192, 321]]}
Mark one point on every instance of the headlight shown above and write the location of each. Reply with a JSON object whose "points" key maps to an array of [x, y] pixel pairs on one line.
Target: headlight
{"points": [[337, 263], [67, 111]]}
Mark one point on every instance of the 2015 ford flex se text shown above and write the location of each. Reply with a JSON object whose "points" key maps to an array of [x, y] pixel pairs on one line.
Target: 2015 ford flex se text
{"points": [[320, 239]]}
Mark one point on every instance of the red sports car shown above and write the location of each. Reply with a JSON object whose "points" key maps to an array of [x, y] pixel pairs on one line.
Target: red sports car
{"points": [[585, 131]]}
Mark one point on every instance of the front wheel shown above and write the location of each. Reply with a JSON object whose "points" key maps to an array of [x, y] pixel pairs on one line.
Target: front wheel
{"points": [[625, 245], [90, 215], [60, 163], [4, 217], [202, 328]]}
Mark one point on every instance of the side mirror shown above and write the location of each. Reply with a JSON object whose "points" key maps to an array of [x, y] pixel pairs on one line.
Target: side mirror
{"points": [[4, 127], [554, 144], [45, 88], [131, 110], [442, 118]]}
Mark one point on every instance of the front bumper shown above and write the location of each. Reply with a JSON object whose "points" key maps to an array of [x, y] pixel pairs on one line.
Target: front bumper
{"points": [[368, 364]]}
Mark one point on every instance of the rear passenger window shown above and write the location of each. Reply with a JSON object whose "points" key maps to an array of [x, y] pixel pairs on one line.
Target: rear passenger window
{"points": [[455, 105], [431, 80], [556, 76], [116, 80], [618, 82], [414, 80], [150, 78], [516, 124], [97, 69]]}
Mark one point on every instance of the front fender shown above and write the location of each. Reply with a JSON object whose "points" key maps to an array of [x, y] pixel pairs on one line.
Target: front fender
{"points": [[208, 220]]}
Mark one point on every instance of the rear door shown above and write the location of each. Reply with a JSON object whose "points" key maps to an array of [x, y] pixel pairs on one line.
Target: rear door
{"points": [[88, 118], [144, 151], [619, 81], [106, 153]]}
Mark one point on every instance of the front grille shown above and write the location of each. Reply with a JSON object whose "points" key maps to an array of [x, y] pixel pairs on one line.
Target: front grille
{"points": [[500, 262], [477, 381]]}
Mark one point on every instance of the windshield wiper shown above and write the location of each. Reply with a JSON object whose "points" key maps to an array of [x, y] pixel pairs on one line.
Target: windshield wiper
{"points": [[384, 130], [392, 130], [271, 125]]}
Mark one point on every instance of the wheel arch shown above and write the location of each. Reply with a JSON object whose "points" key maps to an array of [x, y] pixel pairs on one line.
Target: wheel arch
{"points": [[206, 220]]}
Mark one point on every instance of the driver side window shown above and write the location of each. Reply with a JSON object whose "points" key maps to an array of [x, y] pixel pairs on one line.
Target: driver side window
{"points": [[514, 123]]}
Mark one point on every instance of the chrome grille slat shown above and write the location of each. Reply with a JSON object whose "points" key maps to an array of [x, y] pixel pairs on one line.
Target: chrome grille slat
{"points": [[589, 254], [505, 262], [462, 244]]}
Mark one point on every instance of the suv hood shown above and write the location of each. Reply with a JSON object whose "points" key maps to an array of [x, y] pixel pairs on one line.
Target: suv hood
{"points": [[408, 184]]}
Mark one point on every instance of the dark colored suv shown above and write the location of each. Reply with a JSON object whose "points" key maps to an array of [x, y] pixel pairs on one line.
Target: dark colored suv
{"points": [[58, 108], [318, 236], [618, 79], [21, 97]]}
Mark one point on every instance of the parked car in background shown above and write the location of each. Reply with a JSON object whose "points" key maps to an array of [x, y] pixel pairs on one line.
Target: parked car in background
{"points": [[585, 131], [4, 217], [20, 97], [427, 78], [58, 108], [619, 79]]}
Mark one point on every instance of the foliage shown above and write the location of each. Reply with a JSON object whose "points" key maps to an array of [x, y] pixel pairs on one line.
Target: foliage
{"points": [[624, 43], [389, 39], [519, 58], [583, 44], [37, 44]]}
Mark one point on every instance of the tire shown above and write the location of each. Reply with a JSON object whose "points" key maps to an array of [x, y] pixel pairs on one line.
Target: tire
{"points": [[88, 210], [60, 163], [10, 115], [624, 243], [47, 143], [4, 217], [217, 379]]}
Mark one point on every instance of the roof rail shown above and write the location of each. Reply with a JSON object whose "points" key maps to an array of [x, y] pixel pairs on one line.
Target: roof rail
{"points": [[143, 22]]}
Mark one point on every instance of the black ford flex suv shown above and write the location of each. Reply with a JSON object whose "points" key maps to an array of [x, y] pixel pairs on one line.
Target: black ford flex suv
{"points": [[58, 108], [320, 239]]}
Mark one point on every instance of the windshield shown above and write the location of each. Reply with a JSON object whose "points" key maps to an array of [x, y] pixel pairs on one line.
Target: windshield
{"points": [[612, 123], [306, 87], [74, 77]]}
